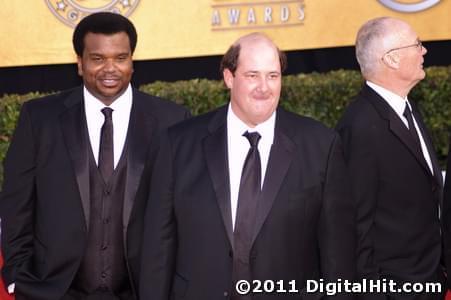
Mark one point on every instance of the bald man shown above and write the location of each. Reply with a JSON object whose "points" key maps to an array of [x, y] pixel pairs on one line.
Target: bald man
{"points": [[248, 192], [396, 179]]}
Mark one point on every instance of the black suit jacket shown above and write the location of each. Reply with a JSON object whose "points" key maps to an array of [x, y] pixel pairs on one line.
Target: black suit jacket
{"points": [[305, 218], [397, 196], [446, 217], [45, 198]]}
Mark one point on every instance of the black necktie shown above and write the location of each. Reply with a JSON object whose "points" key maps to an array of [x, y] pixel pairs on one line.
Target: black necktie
{"points": [[413, 131], [250, 187], [106, 153]]}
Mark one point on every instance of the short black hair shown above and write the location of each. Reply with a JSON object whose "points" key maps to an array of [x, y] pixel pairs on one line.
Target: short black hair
{"points": [[230, 59], [105, 23]]}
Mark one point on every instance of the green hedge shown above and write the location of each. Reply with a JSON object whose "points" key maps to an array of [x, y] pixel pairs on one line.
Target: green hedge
{"points": [[321, 96]]}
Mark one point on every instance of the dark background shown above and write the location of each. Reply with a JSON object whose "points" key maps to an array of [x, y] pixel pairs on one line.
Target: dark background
{"points": [[49, 78]]}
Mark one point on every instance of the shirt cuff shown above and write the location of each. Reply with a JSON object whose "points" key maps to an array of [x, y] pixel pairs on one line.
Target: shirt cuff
{"points": [[11, 288]]}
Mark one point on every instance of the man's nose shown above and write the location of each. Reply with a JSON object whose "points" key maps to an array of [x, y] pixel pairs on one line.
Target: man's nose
{"points": [[424, 50], [109, 65], [263, 84]]}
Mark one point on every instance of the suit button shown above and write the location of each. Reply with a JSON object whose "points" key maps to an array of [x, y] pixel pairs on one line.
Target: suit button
{"points": [[106, 192], [104, 247], [226, 294], [103, 275]]}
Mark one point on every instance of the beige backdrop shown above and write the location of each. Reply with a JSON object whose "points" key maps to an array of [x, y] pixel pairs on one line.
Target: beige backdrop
{"points": [[31, 34]]}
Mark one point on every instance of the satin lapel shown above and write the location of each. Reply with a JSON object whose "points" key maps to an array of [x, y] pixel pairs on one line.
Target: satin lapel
{"points": [[401, 131], [74, 127], [281, 155], [215, 151], [140, 130], [427, 140], [397, 127]]}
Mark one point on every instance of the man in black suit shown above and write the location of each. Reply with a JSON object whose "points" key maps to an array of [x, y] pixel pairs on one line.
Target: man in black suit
{"points": [[397, 182], [447, 218], [76, 175], [247, 192]]}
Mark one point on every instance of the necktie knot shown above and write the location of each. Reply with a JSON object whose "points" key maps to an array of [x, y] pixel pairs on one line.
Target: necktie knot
{"points": [[107, 112], [253, 138]]}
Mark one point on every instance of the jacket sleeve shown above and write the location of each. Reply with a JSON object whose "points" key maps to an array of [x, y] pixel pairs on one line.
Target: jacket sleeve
{"points": [[18, 197], [446, 221], [337, 232], [159, 239], [364, 178]]}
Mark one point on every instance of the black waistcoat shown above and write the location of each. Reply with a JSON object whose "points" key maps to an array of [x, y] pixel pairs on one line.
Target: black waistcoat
{"points": [[103, 266]]}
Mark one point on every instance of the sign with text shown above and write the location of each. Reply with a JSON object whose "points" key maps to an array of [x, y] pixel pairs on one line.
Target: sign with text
{"points": [[257, 15]]}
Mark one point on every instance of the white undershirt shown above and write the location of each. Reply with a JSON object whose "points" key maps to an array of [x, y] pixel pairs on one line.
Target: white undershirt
{"points": [[238, 147], [398, 104], [95, 119]]}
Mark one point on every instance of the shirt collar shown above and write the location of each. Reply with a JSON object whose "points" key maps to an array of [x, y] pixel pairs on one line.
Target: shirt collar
{"points": [[395, 101], [122, 104], [236, 127]]}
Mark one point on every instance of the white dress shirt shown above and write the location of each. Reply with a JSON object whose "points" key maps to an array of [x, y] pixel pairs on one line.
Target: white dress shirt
{"points": [[95, 119], [238, 147], [398, 104]]}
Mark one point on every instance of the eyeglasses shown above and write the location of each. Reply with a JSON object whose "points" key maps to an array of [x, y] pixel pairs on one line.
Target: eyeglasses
{"points": [[418, 44]]}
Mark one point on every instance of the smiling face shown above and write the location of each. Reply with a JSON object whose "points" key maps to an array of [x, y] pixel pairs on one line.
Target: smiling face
{"points": [[106, 65], [255, 86]]}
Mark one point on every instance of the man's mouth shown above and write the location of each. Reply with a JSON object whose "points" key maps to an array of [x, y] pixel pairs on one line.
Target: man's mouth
{"points": [[109, 82]]}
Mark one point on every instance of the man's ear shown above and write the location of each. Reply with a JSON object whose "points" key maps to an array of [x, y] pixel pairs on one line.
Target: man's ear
{"points": [[391, 60], [79, 66], [228, 78]]}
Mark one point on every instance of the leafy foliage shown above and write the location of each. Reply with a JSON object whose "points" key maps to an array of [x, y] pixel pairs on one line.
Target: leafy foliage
{"points": [[322, 96]]}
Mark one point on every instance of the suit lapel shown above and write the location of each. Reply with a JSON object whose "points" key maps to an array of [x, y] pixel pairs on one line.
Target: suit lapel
{"points": [[427, 140], [76, 140], [400, 130], [396, 125], [215, 151], [140, 130], [281, 155]]}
